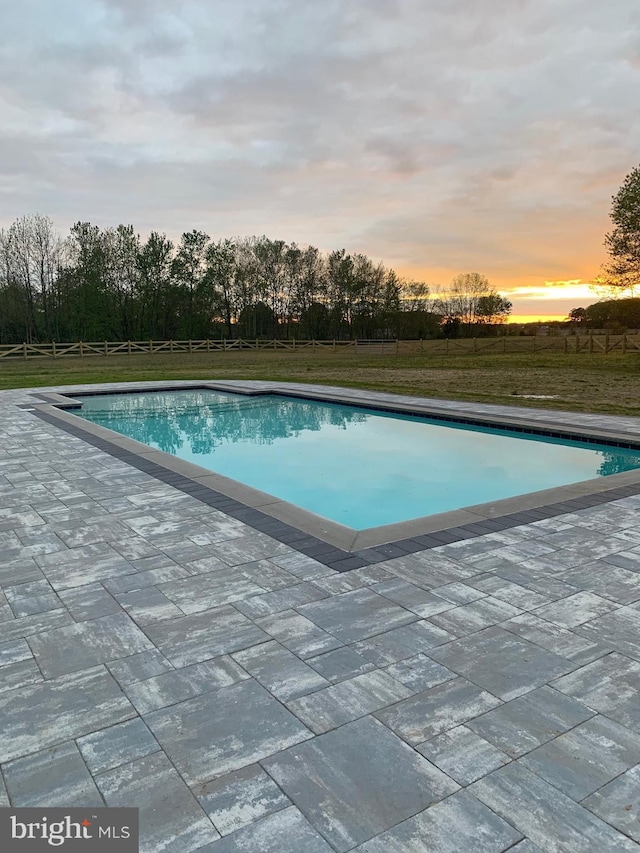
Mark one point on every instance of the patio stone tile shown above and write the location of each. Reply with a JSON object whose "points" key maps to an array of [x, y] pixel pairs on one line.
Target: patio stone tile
{"points": [[267, 575], [135, 547], [530, 548], [463, 755], [475, 616], [339, 582], [171, 819], [548, 817], [357, 781], [609, 685], [89, 602], [586, 758], [556, 639], [20, 571], [576, 609], [26, 626], [139, 667], [50, 712], [618, 803], [298, 634], [85, 644], [4, 796], [286, 831], [205, 591], [459, 823], [302, 566], [372, 574], [513, 593], [14, 652], [356, 615], [191, 639], [525, 723], [426, 714], [428, 569], [19, 674], [619, 630], [419, 673], [501, 662], [458, 593], [608, 581], [245, 549], [55, 777], [414, 598], [120, 744], [341, 703], [215, 733], [80, 566], [401, 643], [540, 579], [281, 599], [27, 599], [625, 559], [143, 579], [101, 530], [146, 606], [240, 798], [280, 671], [340, 664], [526, 846], [169, 688]]}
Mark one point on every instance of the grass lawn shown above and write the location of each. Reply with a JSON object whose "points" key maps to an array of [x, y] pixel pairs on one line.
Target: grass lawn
{"points": [[581, 382]]}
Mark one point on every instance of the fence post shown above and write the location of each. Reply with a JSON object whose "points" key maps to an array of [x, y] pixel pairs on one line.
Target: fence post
{"points": [[624, 343], [420, 344], [129, 347], [150, 346], [534, 342], [208, 345], [81, 350], [106, 349], [591, 342], [53, 348], [190, 349], [24, 350], [606, 344], [171, 345], [334, 343]]}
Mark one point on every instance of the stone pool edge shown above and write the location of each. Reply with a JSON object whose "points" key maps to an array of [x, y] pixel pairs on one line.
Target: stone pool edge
{"points": [[336, 546]]}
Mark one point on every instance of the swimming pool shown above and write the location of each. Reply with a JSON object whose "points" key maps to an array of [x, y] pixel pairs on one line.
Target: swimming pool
{"points": [[356, 466]]}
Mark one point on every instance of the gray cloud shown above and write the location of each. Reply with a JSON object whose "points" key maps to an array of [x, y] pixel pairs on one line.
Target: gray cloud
{"points": [[439, 136]]}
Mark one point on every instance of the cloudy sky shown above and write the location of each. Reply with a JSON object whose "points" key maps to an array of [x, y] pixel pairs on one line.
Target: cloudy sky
{"points": [[439, 136]]}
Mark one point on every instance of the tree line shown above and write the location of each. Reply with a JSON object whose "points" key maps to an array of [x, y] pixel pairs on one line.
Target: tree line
{"points": [[109, 284]]}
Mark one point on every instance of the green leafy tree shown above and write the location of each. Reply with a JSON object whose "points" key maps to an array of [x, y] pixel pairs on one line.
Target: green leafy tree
{"points": [[623, 242], [493, 308]]}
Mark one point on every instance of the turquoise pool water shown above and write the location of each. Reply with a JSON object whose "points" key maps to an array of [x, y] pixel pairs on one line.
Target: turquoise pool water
{"points": [[358, 467]]}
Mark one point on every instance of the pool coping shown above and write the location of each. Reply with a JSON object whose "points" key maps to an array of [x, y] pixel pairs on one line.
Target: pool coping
{"points": [[339, 547]]}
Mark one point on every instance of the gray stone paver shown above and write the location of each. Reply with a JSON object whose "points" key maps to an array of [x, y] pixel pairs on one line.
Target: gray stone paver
{"points": [[53, 777], [586, 758], [357, 781], [241, 797], [156, 652]]}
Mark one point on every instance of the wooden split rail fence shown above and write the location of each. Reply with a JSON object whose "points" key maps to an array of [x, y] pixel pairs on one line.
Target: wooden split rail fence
{"points": [[602, 344]]}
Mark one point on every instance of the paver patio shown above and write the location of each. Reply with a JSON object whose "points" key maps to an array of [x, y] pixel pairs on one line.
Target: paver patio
{"points": [[478, 696]]}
